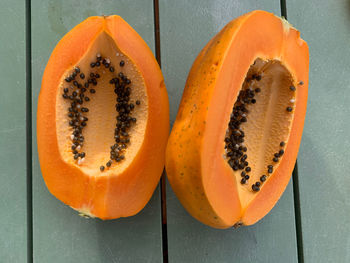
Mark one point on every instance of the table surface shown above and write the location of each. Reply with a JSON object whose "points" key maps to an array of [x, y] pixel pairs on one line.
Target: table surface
{"points": [[310, 223]]}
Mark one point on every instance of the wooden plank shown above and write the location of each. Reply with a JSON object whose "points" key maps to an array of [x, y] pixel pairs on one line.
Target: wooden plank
{"points": [[60, 235], [185, 28], [13, 194], [324, 154]]}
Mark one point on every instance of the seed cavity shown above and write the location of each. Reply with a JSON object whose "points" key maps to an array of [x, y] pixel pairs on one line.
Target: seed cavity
{"points": [[78, 101], [259, 78]]}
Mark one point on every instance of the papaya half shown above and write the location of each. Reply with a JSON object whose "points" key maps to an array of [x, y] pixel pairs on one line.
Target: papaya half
{"points": [[235, 140], [102, 120]]}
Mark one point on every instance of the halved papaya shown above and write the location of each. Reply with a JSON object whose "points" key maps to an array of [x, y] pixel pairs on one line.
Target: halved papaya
{"points": [[102, 120], [235, 140]]}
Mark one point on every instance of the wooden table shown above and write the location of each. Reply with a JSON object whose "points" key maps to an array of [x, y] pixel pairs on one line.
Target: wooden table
{"points": [[311, 222]]}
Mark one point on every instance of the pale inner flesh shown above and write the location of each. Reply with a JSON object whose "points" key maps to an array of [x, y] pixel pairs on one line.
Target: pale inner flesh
{"points": [[268, 123], [99, 131]]}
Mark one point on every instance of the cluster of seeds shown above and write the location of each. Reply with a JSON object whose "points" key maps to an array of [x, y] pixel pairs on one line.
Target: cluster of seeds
{"points": [[76, 94], [79, 86], [124, 109], [234, 141]]}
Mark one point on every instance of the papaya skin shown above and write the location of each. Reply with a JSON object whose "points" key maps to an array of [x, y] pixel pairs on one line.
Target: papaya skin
{"points": [[110, 195], [196, 169]]}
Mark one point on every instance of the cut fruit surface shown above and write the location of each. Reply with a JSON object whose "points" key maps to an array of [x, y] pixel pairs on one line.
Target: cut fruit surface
{"points": [[103, 119], [236, 136]]}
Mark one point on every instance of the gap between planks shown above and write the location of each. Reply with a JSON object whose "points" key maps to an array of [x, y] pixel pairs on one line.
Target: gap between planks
{"points": [[162, 180], [29, 177]]}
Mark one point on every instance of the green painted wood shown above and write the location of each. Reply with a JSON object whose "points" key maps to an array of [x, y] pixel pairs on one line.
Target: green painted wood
{"points": [[185, 27], [13, 196], [324, 155], [60, 235]]}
